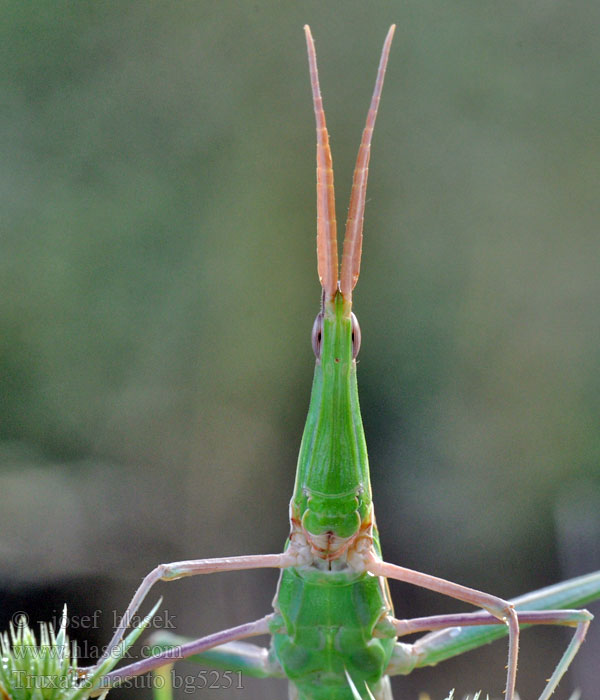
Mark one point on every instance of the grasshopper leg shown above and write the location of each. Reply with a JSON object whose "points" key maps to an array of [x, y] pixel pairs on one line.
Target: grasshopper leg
{"points": [[249, 659], [500, 609], [425, 651], [199, 646], [193, 567]]}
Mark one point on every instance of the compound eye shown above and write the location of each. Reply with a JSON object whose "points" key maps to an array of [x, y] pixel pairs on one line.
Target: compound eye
{"points": [[355, 336], [317, 333]]}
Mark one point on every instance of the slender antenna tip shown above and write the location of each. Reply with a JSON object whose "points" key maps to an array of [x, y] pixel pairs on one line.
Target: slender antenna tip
{"points": [[352, 251]]}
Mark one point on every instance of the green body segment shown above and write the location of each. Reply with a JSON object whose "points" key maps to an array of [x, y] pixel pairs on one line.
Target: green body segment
{"points": [[329, 621]]}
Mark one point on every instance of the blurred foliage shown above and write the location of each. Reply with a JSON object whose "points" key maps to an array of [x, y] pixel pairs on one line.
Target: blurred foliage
{"points": [[159, 285]]}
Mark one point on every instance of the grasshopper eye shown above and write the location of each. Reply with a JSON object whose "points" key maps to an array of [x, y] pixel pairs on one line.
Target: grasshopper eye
{"points": [[355, 336], [317, 331]]}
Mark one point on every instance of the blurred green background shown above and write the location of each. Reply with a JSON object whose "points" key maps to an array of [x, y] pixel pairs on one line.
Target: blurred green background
{"points": [[159, 285]]}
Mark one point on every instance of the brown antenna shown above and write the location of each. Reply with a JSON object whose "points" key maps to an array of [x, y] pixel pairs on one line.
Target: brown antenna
{"points": [[354, 225], [326, 225]]}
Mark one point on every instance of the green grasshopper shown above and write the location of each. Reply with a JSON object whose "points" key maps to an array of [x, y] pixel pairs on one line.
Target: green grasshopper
{"points": [[333, 632]]}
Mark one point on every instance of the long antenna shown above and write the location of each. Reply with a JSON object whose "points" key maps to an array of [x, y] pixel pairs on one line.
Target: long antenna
{"points": [[327, 255], [354, 225]]}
